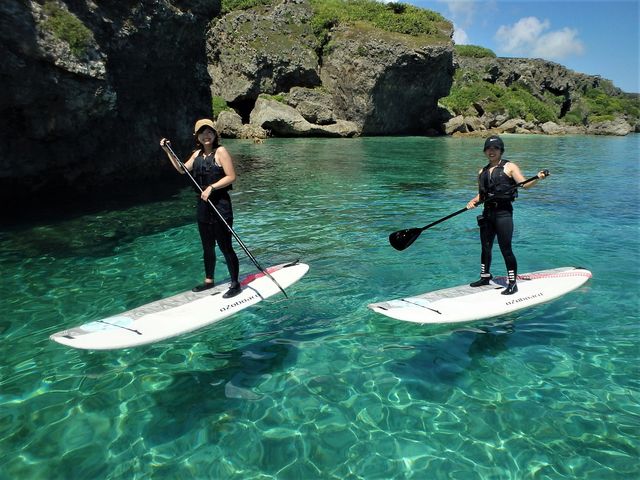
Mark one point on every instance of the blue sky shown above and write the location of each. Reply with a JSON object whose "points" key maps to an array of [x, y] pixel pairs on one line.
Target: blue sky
{"points": [[594, 37]]}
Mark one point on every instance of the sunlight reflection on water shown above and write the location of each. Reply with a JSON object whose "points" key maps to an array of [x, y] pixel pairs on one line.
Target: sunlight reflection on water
{"points": [[318, 386]]}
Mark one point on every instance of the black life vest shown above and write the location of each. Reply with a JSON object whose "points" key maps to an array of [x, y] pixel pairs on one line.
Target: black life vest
{"points": [[206, 172], [496, 185]]}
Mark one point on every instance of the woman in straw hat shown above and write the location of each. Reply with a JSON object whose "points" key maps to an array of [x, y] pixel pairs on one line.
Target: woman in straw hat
{"points": [[212, 168]]}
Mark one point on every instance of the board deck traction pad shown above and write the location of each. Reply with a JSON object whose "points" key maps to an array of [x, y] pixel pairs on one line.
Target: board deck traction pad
{"points": [[127, 320], [431, 300]]}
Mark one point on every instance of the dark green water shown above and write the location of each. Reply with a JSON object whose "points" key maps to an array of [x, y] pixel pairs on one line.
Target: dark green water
{"points": [[318, 386]]}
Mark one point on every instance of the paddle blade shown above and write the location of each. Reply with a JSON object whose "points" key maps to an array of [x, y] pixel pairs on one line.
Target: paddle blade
{"points": [[404, 238]]}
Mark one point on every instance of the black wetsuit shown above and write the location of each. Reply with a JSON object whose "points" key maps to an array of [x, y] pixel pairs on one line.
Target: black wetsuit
{"points": [[211, 228], [497, 190]]}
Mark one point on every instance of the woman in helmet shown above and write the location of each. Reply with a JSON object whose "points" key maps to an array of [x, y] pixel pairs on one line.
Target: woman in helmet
{"points": [[497, 189]]}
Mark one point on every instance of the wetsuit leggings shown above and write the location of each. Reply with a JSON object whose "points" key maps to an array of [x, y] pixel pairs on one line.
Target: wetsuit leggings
{"points": [[210, 233], [497, 222]]}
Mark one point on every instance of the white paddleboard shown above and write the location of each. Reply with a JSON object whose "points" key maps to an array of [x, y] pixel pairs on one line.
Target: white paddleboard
{"points": [[465, 303], [178, 314]]}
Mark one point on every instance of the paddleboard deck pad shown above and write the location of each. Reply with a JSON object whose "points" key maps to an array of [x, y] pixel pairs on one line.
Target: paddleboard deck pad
{"points": [[178, 314], [465, 303]]}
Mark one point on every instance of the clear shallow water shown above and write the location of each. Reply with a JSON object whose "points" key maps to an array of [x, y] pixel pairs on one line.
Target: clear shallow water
{"points": [[318, 386]]}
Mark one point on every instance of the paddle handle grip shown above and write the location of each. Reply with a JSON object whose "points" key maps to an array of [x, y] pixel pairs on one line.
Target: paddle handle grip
{"points": [[518, 185], [545, 172]]}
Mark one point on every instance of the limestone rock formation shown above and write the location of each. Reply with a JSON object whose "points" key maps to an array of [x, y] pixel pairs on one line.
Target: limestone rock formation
{"points": [[287, 121], [383, 83], [540, 77], [389, 85], [85, 113], [229, 124], [617, 127], [315, 105], [262, 50]]}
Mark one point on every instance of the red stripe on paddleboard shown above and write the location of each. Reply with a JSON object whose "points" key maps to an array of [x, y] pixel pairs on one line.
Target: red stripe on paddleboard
{"points": [[250, 278], [555, 275]]}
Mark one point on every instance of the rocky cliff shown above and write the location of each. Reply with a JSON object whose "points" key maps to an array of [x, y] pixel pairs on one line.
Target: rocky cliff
{"points": [[559, 90], [358, 80], [89, 87]]}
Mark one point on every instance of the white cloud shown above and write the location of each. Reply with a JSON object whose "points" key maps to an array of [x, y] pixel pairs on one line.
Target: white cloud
{"points": [[460, 37], [461, 11], [560, 44], [522, 35], [527, 37]]}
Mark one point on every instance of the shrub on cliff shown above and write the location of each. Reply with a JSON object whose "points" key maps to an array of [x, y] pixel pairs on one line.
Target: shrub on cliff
{"points": [[218, 104], [469, 90], [600, 104], [392, 17], [597, 105], [231, 5], [68, 28], [521, 103], [474, 51]]}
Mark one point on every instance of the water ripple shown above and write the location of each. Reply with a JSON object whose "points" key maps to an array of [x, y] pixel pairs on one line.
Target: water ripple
{"points": [[317, 386]]}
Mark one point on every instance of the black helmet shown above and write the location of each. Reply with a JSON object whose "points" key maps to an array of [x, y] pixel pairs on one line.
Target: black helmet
{"points": [[494, 141]]}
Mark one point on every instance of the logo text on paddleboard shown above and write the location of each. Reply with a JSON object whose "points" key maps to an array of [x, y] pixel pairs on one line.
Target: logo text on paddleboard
{"points": [[524, 299], [239, 302]]}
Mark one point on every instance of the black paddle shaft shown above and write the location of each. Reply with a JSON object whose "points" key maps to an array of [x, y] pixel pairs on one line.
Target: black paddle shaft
{"points": [[235, 235], [404, 238]]}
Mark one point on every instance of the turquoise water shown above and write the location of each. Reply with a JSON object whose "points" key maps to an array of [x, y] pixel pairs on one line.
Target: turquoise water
{"points": [[318, 386]]}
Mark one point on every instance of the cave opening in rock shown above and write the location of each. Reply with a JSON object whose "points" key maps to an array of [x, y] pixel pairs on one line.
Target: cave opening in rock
{"points": [[243, 108]]}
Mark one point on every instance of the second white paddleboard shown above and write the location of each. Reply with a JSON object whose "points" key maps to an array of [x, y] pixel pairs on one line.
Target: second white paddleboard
{"points": [[465, 303]]}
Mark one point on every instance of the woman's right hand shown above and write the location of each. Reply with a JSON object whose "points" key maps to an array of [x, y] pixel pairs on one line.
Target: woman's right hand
{"points": [[165, 144], [206, 193]]}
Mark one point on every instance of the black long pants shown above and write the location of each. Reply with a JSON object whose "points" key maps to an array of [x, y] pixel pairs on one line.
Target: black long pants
{"points": [[210, 234], [497, 222]]}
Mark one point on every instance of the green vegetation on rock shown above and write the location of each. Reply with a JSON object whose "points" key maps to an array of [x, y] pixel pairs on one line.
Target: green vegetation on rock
{"points": [[474, 51], [395, 17], [275, 98], [218, 104], [515, 101], [67, 27], [231, 5], [391, 17], [600, 106]]}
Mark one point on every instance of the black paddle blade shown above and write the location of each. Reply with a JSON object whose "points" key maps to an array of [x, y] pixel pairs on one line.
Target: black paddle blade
{"points": [[404, 238]]}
